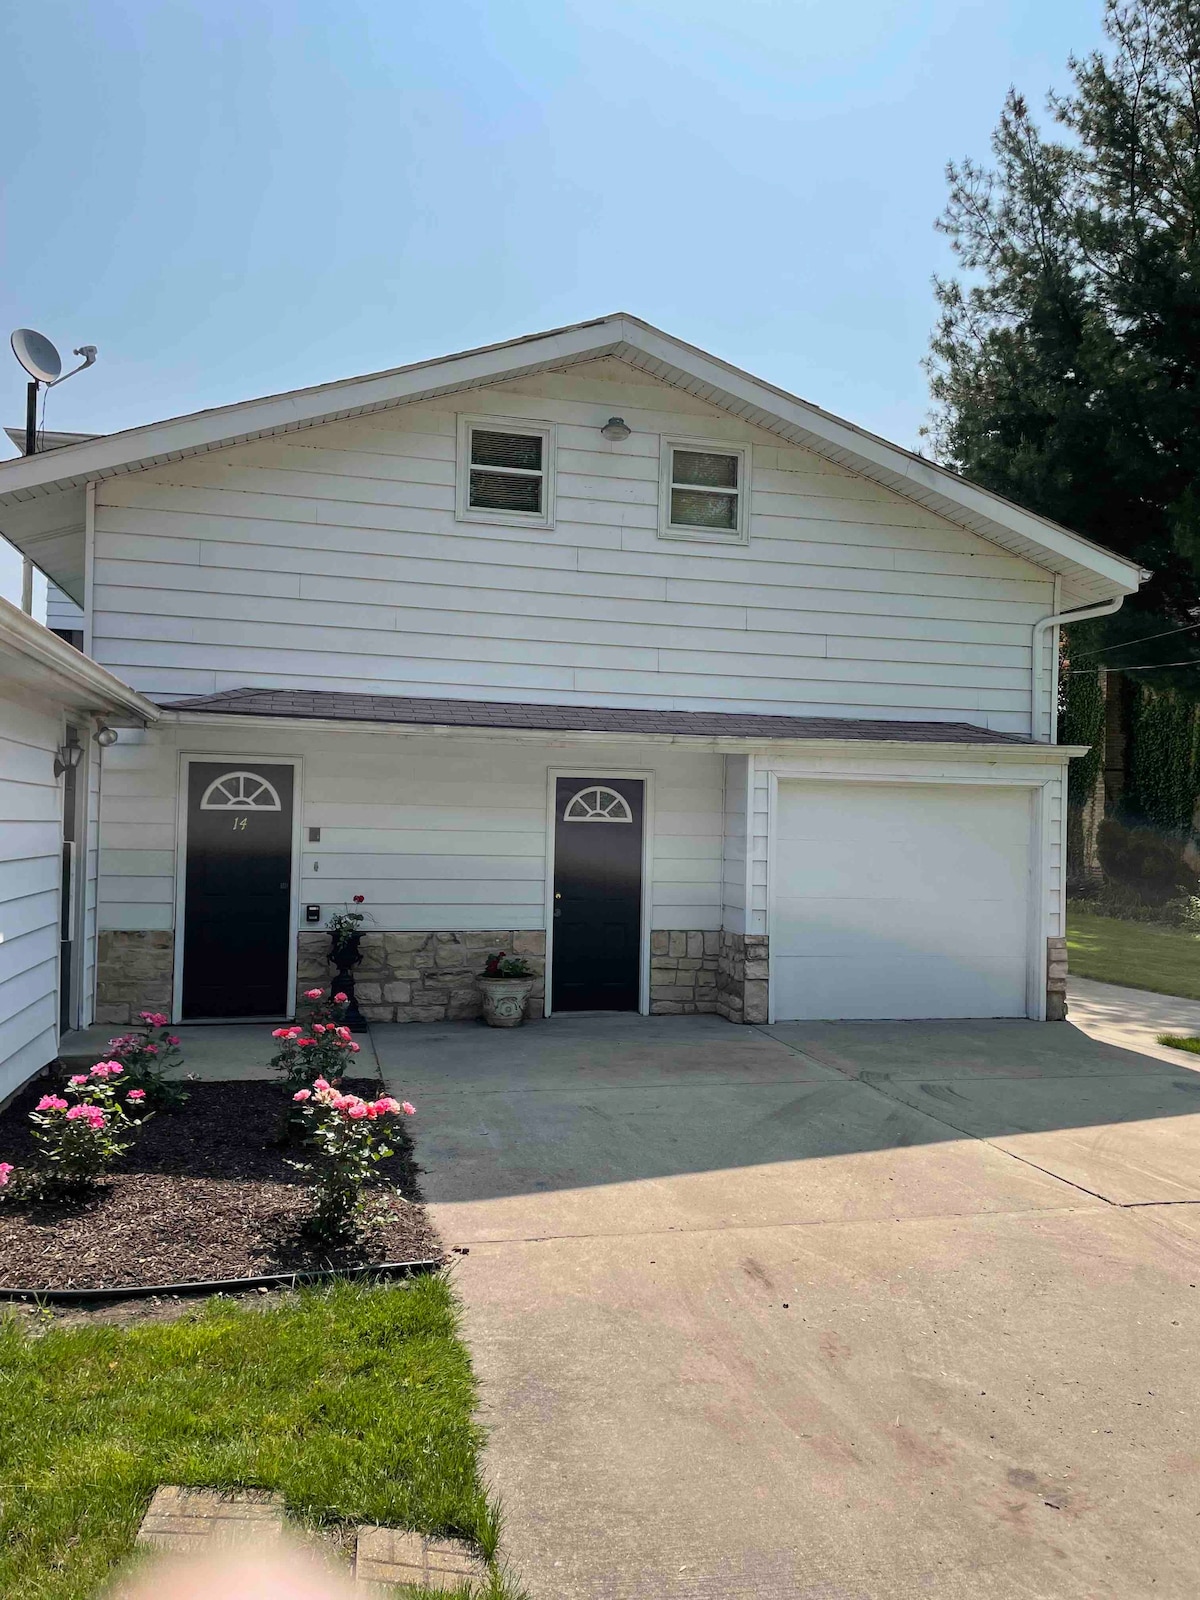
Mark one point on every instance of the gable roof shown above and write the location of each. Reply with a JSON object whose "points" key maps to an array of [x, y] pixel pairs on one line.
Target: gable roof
{"points": [[41, 497]]}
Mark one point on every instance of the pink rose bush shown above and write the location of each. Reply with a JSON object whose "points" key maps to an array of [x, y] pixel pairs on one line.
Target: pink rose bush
{"points": [[321, 1047], [149, 1055], [341, 1132], [80, 1137]]}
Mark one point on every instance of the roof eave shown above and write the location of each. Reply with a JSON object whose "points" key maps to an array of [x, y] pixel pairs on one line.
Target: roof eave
{"points": [[722, 744], [57, 667]]}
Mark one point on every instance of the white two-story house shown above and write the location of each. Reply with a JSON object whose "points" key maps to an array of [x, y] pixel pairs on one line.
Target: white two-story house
{"points": [[588, 647]]}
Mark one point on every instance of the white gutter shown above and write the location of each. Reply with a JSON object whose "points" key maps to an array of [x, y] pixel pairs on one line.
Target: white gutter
{"points": [[1081, 614]]}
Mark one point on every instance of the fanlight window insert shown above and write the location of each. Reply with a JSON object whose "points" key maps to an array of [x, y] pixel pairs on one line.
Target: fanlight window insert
{"points": [[597, 804], [240, 791]]}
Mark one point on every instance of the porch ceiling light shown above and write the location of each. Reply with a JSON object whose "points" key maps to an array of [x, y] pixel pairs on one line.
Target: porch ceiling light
{"points": [[104, 735], [616, 428], [67, 755]]}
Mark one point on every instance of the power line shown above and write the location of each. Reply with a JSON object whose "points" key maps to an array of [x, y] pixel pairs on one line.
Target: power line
{"points": [[1104, 649], [1157, 667]]}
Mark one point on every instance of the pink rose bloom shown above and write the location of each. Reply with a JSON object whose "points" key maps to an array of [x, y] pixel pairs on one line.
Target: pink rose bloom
{"points": [[51, 1102], [356, 1048], [343, 1033], [172, 1038], [90, 1114], [302, 1094], [408, 1108], [320, 1085], [318, 1027], [386, 1106], [107, 1069], [151, 1049], [6, 1168], [312, 994], [79, 1078], [339, 999], [279, 1033], [136, 1094], [358, 1110]]}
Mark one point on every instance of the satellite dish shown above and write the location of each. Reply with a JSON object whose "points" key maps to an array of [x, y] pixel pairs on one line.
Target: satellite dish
{"points": [[37, 355]]}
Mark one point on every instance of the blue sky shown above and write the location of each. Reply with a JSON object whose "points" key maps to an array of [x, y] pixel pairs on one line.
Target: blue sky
{"points": [[237, 198]]}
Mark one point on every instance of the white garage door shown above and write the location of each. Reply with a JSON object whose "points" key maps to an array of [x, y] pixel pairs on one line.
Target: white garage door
{"points": [[898, 900]]}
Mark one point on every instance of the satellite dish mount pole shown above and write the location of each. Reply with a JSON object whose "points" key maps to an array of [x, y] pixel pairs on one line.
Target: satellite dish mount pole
{"points": [[31, 394]]}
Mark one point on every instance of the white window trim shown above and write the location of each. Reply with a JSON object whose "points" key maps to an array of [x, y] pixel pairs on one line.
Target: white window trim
{"points": [[465, 512], [669, 530]]}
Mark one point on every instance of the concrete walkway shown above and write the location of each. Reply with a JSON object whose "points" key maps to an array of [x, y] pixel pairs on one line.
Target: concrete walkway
{"points": [[1132, 1018], [848, 1311], [215, 1052]]}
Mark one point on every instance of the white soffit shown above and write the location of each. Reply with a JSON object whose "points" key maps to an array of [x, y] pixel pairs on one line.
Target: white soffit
{"points": [[1090, 573]]}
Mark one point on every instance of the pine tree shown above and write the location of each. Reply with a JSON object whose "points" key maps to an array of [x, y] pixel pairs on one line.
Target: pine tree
{"points": [[1065, 364]]}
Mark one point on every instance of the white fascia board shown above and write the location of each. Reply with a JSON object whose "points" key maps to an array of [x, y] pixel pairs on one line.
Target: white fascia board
{"points": [[138, 448], [44, 660], [1047, 754]]}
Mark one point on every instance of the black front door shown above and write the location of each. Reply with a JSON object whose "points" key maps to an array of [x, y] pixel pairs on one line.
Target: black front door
{"points": [[597, 894], [237, 897]]}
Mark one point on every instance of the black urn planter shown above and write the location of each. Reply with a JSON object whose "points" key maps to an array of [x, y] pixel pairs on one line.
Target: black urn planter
{"points": [[344, 956]]}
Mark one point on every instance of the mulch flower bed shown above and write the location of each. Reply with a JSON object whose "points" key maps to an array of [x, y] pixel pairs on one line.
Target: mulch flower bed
{"points": [[205, 1193]]}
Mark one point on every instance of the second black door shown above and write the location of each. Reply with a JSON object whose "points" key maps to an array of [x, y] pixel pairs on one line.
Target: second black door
{"points": [[597, 894], [237, 901]]}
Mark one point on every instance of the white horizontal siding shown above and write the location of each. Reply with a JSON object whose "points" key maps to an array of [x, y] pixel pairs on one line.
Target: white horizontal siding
{"points": [[30, 864], [336, 561], [734, 853], [438, 834], [61, 611]]}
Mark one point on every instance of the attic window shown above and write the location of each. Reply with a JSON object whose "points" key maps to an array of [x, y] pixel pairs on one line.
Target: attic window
{"points": [[505, 471], [704, 491]]}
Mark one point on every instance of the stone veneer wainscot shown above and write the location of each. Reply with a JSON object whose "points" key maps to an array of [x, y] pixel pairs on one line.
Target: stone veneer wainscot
{"points": [[424, 977], [135, 971], [722, 973]]}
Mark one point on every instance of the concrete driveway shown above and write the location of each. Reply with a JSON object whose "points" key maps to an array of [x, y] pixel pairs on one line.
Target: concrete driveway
{"points": [[842, 1311]]}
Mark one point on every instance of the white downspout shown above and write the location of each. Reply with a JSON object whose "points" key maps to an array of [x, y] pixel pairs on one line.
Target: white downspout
{"points": [[1081, 614]]}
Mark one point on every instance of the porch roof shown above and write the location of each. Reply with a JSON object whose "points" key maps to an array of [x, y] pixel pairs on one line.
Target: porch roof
{"points": [[336, 705]]}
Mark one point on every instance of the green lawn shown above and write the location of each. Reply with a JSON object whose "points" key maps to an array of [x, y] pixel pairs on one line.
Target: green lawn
{"points": [[1140, 955], [354, 1402]]}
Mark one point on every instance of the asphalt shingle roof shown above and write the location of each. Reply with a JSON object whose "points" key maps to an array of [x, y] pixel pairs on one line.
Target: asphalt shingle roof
{"points": [[342, 706]]}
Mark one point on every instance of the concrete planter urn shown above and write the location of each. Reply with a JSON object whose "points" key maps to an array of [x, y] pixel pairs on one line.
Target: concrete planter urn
{"points": [[504, 1001]]}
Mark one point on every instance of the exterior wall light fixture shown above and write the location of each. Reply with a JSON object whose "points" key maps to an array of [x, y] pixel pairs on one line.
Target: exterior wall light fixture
{"points": [[616, 428], [104, 735], [67, 755]]}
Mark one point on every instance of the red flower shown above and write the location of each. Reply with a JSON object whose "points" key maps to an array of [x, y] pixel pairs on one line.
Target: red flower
{"points": [[359, 898]]}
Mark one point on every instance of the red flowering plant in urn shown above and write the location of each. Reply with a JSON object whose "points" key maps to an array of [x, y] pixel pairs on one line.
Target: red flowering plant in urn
{"points": [[345, 940]]}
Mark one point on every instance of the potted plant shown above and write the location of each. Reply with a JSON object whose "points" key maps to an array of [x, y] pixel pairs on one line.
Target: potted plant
{"points": [[345, 940], [506, 982]]}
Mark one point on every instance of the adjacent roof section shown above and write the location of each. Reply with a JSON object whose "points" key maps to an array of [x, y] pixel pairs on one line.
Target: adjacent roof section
{"points": [[1090, 573], [334, 705], [33, 658]]}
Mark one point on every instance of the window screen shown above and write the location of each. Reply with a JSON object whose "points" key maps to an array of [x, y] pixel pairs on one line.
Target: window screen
{"points": [[507, 471], [704, 489]]}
